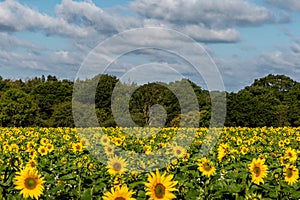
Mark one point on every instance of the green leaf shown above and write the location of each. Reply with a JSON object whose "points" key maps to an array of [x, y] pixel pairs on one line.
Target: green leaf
{"points": [[68, 177], [235, 188], [296, 195], [87, 194], [141, 194], [192, 194]]}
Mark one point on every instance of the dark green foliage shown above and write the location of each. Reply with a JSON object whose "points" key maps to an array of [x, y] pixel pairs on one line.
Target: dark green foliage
{"points": [[270, 101], [47, 101], [17, 108]]}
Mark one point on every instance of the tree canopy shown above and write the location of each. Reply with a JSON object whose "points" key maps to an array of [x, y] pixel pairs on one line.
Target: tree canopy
{"points": [[273, 100]]}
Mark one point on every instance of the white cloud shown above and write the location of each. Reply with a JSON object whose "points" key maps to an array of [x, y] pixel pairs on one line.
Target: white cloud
{"points": [[203, 34], [221, 13], [295, 47], [205, 21], [17, 17], [87, 14], [10, 42], [293, 5], [279, 60]]}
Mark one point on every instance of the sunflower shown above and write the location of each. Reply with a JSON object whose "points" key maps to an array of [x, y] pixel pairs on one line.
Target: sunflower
{"points": [[42, 150], [178, 151], [281, 143], [116, 165], [119, 193], [104, 140], [32, 153], [253, 196], [84, 142], [29, 182], [239, 141], [287, 141], [109, 150], [117, 141], [79, 164], [66, 137], [291, 174], [63, 160], [77, 147], [50, 147], [44, 141], [291, 154], [160, 186], [32, 163], [223, 149], [206, 167], [30, 145], [258, 170], [284, 160], [14, 148], [244, 150], [91, 167]]}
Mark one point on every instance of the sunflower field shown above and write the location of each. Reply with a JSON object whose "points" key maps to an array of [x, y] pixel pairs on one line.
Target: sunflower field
{"points": [[63, 163]]}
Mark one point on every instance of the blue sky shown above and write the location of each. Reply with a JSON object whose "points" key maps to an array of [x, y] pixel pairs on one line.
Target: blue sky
{"points": [[245, 39]]}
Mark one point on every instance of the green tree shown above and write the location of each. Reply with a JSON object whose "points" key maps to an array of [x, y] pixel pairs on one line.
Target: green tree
{"points": [[17, 108], [62, 115]]}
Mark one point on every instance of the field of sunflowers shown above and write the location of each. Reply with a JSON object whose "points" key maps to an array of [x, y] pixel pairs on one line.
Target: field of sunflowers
{"points": [[126, 164]]}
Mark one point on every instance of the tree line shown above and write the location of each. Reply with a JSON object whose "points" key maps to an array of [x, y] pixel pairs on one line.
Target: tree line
{"points": [[273, 100]]}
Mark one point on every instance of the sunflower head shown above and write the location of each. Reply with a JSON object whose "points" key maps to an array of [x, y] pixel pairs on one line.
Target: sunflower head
{"points": [[291, 154], [119, 193], [160, 186], [116, 165], [29, 182], [178, 151], [206, 167], [43, 150], [258, 170], [104, 140], [253, 196], [291, 174], [32, 163], [77, 147]]}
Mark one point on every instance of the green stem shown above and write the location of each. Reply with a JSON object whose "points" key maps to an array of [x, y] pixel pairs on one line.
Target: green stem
{"points": [[79, 184]]}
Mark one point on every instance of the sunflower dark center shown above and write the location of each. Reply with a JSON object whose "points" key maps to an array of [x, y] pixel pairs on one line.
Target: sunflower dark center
{"points": [[30, 183], [117, 166], [289, 173], [207, 167], [120, 198], [160, 190], [256, 170], [178, 152]]}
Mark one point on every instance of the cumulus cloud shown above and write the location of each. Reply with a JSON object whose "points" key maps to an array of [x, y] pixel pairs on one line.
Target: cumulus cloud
{"points": [[17, 17], [222, 13], [295, 47], [10, 42], [292, 5], [203, 34], [87, 14], [205, 21]]}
